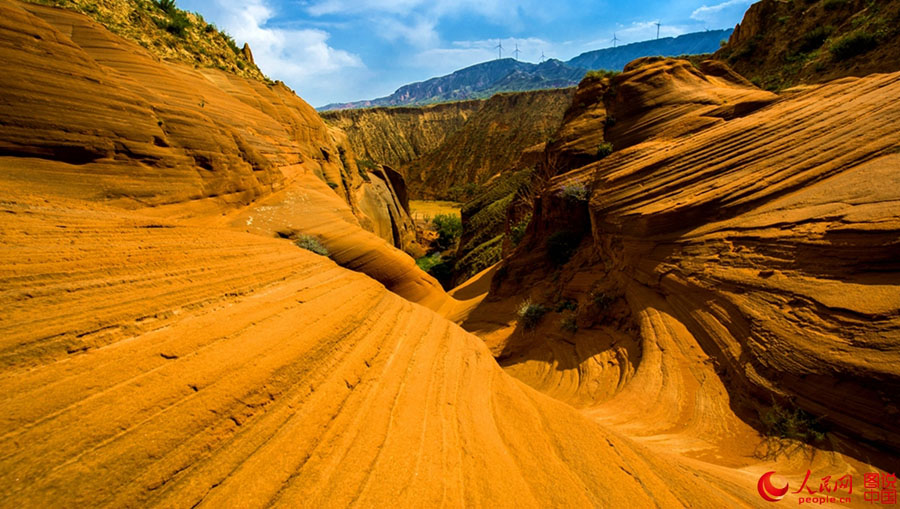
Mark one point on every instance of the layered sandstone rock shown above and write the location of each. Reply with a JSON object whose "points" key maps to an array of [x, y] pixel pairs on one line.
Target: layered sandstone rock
{"points": [[161, 346], [83, 101], [752, 262], [156, 364]]}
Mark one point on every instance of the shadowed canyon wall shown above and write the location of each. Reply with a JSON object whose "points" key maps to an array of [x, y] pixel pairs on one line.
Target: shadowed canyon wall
{"points": [[396, 136]]}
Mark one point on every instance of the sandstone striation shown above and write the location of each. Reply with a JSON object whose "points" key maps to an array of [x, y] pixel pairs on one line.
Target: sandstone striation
{"points": [[751, 262], [164, 343]]}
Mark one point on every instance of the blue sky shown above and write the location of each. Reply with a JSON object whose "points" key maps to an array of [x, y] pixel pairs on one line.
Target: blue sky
{"points": [[346, 50]]}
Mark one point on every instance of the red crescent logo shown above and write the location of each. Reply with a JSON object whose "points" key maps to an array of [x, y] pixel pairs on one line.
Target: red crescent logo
{"points": [[769, 492]]}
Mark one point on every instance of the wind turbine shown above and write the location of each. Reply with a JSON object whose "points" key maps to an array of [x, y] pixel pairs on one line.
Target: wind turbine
{"points": [[516, 52], [615, 40], [499, 48], [657, 29]]}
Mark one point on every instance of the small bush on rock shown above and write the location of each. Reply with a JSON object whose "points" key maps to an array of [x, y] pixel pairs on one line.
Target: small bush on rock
{"points": [[311, 243], [605, 149], [530, 314], [853, 44], [577, 192], [569, 323]]}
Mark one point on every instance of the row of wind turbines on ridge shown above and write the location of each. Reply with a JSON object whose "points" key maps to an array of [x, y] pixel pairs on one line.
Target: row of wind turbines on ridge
{"points": [[615, 40]]}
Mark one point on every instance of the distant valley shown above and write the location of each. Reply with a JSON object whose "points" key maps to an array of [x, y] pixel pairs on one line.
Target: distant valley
{"points": [[483, 80]]}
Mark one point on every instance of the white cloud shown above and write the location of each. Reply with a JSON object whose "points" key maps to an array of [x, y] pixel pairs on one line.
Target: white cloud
{"points": [[301, 57], [501, 11], [722, 15], [420, 33], [325, 7]]}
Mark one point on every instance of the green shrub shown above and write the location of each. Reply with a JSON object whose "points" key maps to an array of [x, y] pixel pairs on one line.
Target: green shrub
{"points": [[577, 192], [569, 323], [609, 121], [792, 423], [165, 5], [311, 243], [605, 149], [363, 167], [427, 262], [449, 228], [231, 44], [479, 258], [601, 300], [530, 314], [833, 5], [853, 44], [176, 22], [367, 164], [443, 271], [788, 430], [561, 246], [566, 305], [517, 231], [333, 185], [598, 74], [814, 38], [462, 192]]}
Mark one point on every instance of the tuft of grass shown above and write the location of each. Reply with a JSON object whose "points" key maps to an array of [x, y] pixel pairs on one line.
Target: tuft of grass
{"points": [[311, 243], [569, 323], [852, 45], [605, 149], [164, 5], [229, 40], [530, 314], [576, 192]]}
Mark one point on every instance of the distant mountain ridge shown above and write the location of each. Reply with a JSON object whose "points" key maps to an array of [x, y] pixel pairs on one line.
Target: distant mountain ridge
{"points": [[483, 80]]}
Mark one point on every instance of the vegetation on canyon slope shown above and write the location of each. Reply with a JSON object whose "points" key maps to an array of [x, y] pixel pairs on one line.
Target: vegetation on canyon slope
{"points": [[168, 32]]}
